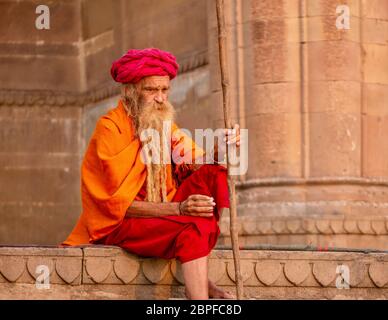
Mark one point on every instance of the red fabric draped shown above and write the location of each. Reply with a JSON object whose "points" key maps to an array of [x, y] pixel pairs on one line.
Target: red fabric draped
{"points": [[182, 237]]}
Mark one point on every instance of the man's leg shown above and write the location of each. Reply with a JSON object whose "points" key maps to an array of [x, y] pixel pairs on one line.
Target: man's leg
{"points": [[195, 276], [212, 181], [217, 293]]}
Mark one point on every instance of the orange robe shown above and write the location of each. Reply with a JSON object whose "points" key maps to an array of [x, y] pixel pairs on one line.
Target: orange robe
{"points": [[113, 173]]}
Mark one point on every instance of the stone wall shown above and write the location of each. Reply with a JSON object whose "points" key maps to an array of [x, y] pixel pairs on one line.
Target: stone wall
{"points": [[103, 272]]}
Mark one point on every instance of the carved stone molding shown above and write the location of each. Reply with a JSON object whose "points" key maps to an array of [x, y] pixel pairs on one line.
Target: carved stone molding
{"points": [[260, 268], [20, 264], [325, 225], [187, 63], [53, 98], [192, 60], [311, 181]]}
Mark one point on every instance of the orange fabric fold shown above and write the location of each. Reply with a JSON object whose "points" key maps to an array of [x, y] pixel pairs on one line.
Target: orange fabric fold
{"points": [[113, 173]]}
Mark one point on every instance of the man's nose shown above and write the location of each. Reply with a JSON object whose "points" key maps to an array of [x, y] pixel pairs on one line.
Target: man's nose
{"points": [[159, 97]]}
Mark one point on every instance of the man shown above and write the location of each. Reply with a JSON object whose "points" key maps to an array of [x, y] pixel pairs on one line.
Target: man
{"points": [[161, 209]]}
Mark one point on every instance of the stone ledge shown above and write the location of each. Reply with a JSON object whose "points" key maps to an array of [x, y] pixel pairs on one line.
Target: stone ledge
{"points": [[106, 272]]}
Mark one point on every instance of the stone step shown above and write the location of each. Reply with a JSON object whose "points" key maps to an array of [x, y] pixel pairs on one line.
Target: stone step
{"points": [[108, 272]]}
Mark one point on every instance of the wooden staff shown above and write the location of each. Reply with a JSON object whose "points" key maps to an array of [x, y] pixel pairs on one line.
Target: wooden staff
{"points": [[226, 107]]}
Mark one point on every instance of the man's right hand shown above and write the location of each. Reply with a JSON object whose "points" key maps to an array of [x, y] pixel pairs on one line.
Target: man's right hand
{"points": [[198, 205]]}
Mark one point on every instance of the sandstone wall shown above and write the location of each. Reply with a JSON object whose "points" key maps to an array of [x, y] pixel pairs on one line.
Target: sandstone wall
{"points": [[55, 84]]}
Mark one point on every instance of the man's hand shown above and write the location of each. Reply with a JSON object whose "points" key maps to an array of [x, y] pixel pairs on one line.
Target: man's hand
{"points": [[198, 205], [230, 137], [233, 135]]}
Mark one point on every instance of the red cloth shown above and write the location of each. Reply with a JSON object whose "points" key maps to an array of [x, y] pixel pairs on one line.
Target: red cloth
{"points": [[182, 237], [137, 64]]}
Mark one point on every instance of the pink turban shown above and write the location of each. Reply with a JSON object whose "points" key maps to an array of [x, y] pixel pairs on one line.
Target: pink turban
{"points": [[137, 64]]}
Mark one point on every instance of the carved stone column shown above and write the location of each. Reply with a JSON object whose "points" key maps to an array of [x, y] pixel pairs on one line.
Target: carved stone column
{"points": [[314, 99]]}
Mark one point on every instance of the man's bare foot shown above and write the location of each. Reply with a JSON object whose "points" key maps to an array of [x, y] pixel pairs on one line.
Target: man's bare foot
{"points": [[217, 293]]}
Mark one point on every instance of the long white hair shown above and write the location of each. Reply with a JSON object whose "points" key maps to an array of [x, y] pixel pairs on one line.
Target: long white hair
{"points": [[150, 116]]}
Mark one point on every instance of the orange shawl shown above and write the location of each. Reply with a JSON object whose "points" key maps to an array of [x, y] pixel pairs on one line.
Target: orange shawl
{"points": [[112, 174]]}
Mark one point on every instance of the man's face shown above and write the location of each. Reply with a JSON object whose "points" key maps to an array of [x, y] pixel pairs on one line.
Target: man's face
{"points": [[154, 89]]}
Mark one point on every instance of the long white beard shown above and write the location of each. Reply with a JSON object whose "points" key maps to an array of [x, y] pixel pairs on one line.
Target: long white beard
{"points": [[152, 116]]}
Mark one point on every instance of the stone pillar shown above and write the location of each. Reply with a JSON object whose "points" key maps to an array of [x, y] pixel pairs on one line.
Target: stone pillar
{"points": [[314, 99]]}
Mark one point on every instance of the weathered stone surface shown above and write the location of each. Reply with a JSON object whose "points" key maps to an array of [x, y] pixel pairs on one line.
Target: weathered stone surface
{"points": [[258, 267], [126, 268], [64, 22], [98, 268], [293, 230], [268, 271], [97, 10], [365, 226], [309, 225], [324, 272], [246, 269], [296, 271], [375, 31], [178, 18], [275, 132], [337, 226], [338, 60], [24, 72], [323, 28], [216, 270], [69, 269], [249, 225], [376, 63], [279, 226], [294, 225], [323, 226], [34, 263], [351, 226], [326, 96], [155, 269], [358, 272], [12, 267], [376, 9], [375, 153], [341, 135], [379, 273], [176, 270], [38, 223], [264, 227], [378, 226], [375, 99]]}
